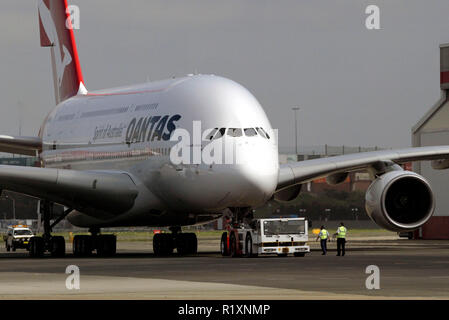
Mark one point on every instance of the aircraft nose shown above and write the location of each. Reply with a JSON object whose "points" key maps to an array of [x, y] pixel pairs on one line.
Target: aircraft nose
{"points": [[248, 181], [257, 175]]}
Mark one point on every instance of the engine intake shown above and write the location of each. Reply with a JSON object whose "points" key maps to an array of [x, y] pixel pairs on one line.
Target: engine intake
{"points": [[400, 201]]}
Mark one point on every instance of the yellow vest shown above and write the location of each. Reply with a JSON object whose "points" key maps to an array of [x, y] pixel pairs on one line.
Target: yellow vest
{"points": [[323, 234], [341, 232]]}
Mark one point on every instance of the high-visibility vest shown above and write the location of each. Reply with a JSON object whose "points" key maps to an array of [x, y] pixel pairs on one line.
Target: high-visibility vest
{"points": [[341, 232], [324, 234]]}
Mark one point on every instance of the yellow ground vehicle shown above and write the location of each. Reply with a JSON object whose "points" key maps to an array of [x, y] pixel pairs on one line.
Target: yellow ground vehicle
{"points": [[18, 236]]}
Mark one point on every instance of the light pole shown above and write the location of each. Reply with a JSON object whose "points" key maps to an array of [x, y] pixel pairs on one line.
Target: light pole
{"points": [[296, 109]]}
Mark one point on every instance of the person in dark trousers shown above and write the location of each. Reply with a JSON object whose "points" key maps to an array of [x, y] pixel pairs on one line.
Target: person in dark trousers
{"points": [[341, 239], [324, 236]]}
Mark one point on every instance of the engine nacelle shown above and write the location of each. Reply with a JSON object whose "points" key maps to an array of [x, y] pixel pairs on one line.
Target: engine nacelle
{"points": [[400, 201], [288, 194]]}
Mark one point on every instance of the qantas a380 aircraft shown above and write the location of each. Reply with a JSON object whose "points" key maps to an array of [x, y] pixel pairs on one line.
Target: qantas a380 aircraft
{"points": [[113, 158]]}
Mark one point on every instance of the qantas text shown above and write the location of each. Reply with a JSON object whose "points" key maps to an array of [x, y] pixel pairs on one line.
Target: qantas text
{"points": [[151, 128]]}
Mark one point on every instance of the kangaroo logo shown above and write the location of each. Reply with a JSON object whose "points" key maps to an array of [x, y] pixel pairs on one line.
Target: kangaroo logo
{"points": [[62, 54]]}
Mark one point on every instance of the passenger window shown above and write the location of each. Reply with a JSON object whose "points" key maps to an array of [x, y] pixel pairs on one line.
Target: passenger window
{"points": [[234, 132], [250, 132]]}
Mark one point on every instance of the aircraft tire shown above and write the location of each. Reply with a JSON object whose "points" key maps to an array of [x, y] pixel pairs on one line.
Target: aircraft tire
{"points": [[182, 245], [57, 246], [36, 247], [163, 244], [106, 245], [192, 243], [82, 246]]}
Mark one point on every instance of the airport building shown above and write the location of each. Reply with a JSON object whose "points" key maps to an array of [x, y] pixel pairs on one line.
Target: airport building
{"points": [[432, 130]]}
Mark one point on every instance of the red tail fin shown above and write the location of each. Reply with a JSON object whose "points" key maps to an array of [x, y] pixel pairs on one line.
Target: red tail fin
{"points": [[56, 32]]}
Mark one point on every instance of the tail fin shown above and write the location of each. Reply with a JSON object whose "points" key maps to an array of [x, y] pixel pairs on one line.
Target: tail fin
{"points": [[56, 31]]}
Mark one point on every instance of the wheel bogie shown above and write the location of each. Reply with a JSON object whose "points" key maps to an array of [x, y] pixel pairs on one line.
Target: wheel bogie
{"points": [[184, 243], [104, 245]]}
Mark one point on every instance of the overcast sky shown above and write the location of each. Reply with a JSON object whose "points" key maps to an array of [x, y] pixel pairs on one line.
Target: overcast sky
{"points": [[354, 86]]}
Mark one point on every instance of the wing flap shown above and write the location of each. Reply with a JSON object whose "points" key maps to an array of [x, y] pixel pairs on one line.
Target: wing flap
{"points": [[102, 194]]}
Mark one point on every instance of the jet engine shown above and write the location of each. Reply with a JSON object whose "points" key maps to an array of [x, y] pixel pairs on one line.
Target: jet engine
{"points": [[288, 194], [400, 201]]}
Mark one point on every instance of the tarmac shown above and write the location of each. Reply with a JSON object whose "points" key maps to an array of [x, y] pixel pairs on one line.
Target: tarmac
{"points": [[408, 269]]}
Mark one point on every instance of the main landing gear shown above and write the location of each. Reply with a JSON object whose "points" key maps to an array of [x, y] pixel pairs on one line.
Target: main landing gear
{"points": [[165, 243], [105, 245], [53, 244], [83, 245]]}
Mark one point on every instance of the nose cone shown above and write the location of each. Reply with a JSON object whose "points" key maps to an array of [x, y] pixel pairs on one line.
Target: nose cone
{"points": [[256, 173]]}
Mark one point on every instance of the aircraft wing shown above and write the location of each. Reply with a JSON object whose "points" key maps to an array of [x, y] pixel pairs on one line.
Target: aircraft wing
{"points": [[29, 146], [103, 193], [304, 171]]}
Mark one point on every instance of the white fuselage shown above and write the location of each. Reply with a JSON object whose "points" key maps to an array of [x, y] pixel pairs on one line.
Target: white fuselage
{"points": [[129, 129]]}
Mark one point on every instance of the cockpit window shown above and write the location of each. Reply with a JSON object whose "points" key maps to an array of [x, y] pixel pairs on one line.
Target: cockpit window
{"points": [[250, 132], [220, 133], [234, 132], [211, 134], [266, 133], [263, 133]]}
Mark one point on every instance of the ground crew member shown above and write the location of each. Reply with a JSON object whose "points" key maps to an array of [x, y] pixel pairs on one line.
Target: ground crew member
{"points": [[324, 236], [341, 239]]}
